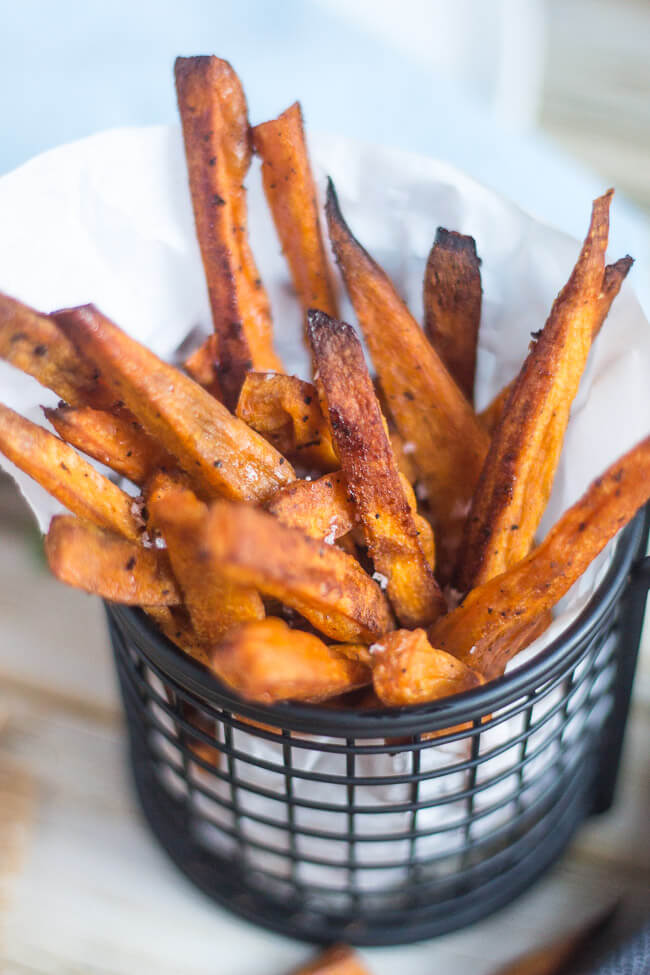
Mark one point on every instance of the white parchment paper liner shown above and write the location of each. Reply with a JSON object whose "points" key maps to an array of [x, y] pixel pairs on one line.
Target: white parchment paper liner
{"points": [[108, 219]]}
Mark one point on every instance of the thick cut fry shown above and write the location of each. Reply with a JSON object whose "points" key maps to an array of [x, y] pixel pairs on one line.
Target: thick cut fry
{"points": [[213, 112], [291, 194], [339, 960], [286, 411], [327, 586], [501, 607], [113, 440], [321, 509], [613, 279], [371, 472], [68, 477], [324, 509], [516, 480], [430, 411], [219, 452], [406, 670], [452, 304], [215, 605], [175, 624], [268, 661], [34, 344], [201, 365], [112, 567], [403, 455]]}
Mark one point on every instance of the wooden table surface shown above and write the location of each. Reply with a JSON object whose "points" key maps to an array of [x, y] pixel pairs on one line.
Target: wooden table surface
{"points": [[83, 886]]}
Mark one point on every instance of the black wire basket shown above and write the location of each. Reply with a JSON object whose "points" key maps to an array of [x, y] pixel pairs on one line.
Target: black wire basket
{"points": [[383, 827]]}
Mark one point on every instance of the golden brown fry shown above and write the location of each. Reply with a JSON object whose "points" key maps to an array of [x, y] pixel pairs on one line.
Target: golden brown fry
{"points": [[339, 960], [430, 411], [68, 477], [112, 567], [291, 194], [406, 670], [321, 508], [613, 279], [501, 607], [114, 440], [452, 304], [175, 624], [220, 453], [286, 411], [215, 605], [201, 365], [213, 112], [403, 455], [267, 661], [34, 344], [516, 480], [371, 471], [327, 586]]}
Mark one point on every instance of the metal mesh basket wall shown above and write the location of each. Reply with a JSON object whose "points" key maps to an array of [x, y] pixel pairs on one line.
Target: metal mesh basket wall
{"points": [[383, 827]]}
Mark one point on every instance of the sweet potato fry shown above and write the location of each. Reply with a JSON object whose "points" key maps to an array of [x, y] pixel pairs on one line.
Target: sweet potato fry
{"points": [[339, 960], [220, 452], [213, 112], [613, 279], [267, 661], [406, 670], [403, 451], [215, 605], [429, 409], [516, 480], [321, 508], [114, 440], [201, 365], [291, 194], [175, 624], [112, 567], [452, 304], [497, 609], [68, 477], [34, 344], [286, 411], [371, 472], [324, 584]]}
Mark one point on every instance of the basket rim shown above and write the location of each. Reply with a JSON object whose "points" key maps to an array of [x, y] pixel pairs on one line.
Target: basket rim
{"points": [[561, 653]]}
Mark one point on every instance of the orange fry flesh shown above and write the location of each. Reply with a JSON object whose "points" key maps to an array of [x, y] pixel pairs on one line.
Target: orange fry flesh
{"points": [[34, 344], [100, 562], [517, 477], [429, 409], [112, 439], [221, 454], [371, 471], [613, 279], [175, 624], [201, 365], [268, 661], [286, 412], [324, 584], [214, 604], [214, 116], [339, 960], [452, 304], [497, 609], [407, 670], [291, 194], [321, 508], [65, 475]]}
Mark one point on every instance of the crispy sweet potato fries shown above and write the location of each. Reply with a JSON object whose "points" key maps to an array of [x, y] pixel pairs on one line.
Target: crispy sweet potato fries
{"points": [[312, 581]]}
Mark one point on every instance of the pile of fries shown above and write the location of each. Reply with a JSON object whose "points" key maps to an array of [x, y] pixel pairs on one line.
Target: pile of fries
{"points": [[303, 540]]}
